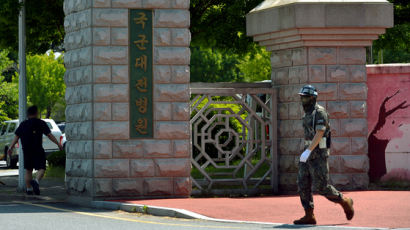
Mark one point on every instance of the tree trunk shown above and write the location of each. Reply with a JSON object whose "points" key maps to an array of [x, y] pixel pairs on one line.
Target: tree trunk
{"points": [[48, 112]]}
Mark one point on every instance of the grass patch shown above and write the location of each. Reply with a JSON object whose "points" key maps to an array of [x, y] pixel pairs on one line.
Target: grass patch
{"points": [[55, 172], [57, 159]]}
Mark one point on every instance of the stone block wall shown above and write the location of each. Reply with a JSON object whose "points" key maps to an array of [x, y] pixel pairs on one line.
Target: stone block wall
{"points": [[102, 160], [339, 74]]}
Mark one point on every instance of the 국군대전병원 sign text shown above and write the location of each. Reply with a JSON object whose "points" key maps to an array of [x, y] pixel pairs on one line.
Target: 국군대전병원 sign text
{"points": [[141, 73]]}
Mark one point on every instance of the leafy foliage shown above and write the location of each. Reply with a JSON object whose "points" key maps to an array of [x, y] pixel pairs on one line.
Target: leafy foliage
{"points": [[55, 172], [220, 48], [221, 24], [58, 112], [8, 91], [255, 66], [221, 51], [44, 23], [208, 65], [394, 44], [45, 81], [8, 100], [5, 62], [212, 65], [215, 23], [401, 11], [57, 159]]}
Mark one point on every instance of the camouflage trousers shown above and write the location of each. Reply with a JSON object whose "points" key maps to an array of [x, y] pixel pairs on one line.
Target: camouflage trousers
{"points": [[316, 170]]}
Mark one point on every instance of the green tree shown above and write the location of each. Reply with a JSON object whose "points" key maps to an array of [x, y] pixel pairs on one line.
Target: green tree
{"points": [[221, 24], [8, 91], [7, 66], [8, 100], [215, 23], [44, 22], [5, 62], [255, 66], [213, 65], [394, 45], [226, 54], [208, 65], [45, 81]]}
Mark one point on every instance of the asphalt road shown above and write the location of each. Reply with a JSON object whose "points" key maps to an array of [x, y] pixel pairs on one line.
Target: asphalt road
{"points": [[62, 216]]}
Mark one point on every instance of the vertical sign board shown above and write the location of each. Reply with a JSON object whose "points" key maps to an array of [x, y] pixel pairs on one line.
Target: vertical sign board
{"points": [[141, 73]]}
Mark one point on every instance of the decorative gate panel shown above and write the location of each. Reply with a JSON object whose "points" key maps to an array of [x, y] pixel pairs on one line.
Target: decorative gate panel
{"points": [[234, 138]]}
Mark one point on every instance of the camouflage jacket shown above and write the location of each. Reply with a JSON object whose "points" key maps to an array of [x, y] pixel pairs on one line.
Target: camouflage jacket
{"points": [[316, 120]]}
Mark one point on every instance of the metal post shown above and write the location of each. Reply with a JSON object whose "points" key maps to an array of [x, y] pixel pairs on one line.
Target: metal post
{"points": [[371, 54], [22, 86], [273, 132]]}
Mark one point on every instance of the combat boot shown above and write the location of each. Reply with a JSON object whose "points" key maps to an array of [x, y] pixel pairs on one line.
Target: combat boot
{"points": [[347, 205], [309, 218]]}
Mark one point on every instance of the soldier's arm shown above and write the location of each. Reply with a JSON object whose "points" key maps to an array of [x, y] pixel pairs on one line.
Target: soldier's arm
{"points": [[318, 136], [321, 122]]}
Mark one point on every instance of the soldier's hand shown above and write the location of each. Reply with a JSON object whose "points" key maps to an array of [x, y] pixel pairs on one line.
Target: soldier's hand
{"points": [[305, 156]]}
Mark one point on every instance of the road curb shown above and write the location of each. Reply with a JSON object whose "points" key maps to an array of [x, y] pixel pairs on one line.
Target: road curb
{"points": [[145, 209], [182, 213]]}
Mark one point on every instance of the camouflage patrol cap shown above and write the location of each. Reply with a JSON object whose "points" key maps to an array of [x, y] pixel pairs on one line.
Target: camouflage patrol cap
{"points": [[308, 90]]}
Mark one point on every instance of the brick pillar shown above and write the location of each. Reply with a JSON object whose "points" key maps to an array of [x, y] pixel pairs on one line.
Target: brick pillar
{"points": [[322, 44], [103, 161]]}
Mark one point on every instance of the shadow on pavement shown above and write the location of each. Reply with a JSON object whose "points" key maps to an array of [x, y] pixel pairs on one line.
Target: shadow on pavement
{"points": [[52, 198], [44, 207], [290, 226]]}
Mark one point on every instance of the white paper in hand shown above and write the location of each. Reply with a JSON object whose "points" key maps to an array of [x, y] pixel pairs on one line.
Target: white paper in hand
{"points": [[305, 156]]}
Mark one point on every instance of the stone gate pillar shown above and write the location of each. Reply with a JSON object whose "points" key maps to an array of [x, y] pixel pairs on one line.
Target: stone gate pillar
{"points": [[119, 144], [322, 43]]}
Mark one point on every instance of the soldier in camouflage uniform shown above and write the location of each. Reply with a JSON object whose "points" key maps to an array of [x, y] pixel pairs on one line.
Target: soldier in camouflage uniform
{"points": [[313, 165]]}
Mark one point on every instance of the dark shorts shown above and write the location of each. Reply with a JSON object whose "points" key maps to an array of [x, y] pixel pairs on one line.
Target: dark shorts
{"points": [[35, 161]]}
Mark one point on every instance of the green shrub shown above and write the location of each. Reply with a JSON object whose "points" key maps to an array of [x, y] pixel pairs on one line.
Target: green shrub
{"points": [[57, 159], [55, 172]]}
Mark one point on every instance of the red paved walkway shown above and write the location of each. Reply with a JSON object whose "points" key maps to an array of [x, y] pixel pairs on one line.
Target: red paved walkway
{"points": [[388, 209]]}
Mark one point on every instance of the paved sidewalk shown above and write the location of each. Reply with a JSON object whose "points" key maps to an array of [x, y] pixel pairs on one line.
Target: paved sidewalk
{"points": [[378, 209], [51, 190], [374, 209]]}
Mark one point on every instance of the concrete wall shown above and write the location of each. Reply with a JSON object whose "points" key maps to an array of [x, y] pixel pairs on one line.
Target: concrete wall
{"points": [[102, 160], [389, 122]]}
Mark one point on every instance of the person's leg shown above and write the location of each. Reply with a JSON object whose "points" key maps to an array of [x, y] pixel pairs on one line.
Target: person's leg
{"points": [[28, 166], [320, 169], [40, 175], [304, 182], [28, 177], [321, 183], [40, 166]]}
